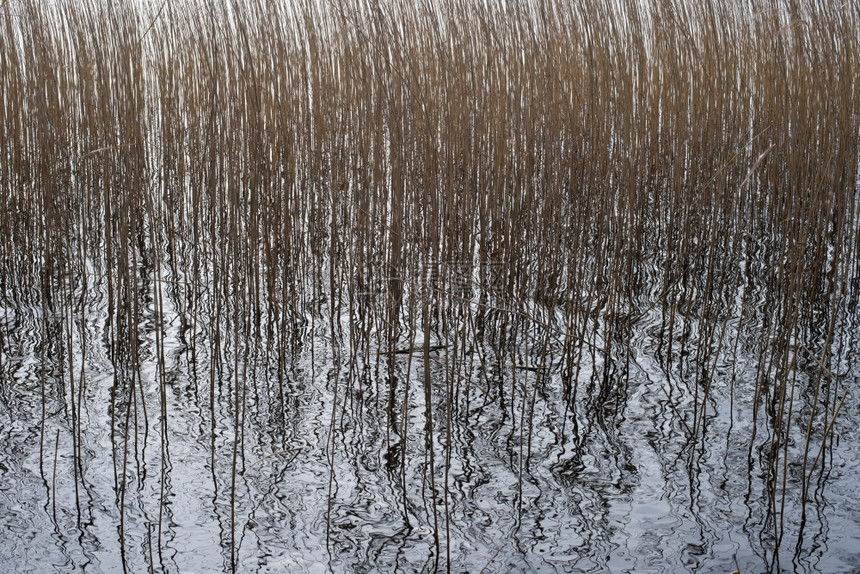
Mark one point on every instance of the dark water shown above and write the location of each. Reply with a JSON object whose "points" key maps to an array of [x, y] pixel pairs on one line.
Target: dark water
{"points": [[234, 445]]}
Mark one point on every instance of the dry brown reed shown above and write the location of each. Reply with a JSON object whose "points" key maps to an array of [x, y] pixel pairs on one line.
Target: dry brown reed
{"points": [[536, 174]]}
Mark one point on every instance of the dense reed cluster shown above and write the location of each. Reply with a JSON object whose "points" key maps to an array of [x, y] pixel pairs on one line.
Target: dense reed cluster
{"points": [[513, 193]]}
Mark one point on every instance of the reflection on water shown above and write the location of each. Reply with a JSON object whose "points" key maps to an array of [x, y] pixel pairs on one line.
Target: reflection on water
{"points": [[219, 450]]}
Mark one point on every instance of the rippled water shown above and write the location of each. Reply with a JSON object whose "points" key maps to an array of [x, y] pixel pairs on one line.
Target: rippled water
{"points": [[109, 468]]}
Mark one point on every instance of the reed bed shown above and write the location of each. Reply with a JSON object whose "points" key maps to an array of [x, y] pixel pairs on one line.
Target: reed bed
{"points": [[508, 193]]}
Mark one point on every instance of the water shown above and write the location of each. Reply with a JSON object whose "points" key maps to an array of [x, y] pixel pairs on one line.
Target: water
{"points": [[233, 445]]}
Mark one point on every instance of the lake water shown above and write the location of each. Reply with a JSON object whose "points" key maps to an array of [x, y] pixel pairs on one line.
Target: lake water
{"points": [[222, 439]]}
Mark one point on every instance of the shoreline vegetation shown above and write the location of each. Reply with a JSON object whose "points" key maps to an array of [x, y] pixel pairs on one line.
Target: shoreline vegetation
{"points": [[521, 185]]}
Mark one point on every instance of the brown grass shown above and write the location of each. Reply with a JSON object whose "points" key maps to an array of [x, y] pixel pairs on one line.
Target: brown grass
{"points": [[538, 176]]}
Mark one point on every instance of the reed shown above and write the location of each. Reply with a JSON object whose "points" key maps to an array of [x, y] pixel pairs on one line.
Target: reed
{"points": [[510, 191]]}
